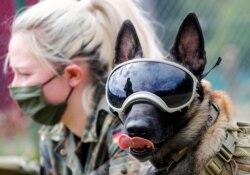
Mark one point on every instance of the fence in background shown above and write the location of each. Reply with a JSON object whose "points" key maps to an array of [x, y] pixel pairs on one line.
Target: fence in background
{"points": [[225, 26]]}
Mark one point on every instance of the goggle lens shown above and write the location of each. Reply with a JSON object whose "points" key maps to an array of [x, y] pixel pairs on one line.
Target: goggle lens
{"points": [[172, 84]]}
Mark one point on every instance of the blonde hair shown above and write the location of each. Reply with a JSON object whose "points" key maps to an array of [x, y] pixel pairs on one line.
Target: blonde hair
{"points": [[59, 30]]}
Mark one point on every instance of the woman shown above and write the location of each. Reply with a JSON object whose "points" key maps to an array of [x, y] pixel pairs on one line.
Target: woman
{"points": [[61, 52]]}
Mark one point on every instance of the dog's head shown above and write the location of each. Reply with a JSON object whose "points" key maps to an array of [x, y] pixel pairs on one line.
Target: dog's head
{"points": [[152, 97]]}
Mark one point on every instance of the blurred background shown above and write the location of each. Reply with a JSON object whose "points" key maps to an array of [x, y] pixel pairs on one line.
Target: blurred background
{"points": [[226, 29]]}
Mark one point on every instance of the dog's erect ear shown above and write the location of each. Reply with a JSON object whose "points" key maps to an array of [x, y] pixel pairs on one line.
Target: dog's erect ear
{"points": [[188, 48], [127, 44]]}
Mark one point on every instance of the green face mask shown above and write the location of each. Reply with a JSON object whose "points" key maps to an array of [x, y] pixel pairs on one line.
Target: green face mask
{"points": [[31, 100]]}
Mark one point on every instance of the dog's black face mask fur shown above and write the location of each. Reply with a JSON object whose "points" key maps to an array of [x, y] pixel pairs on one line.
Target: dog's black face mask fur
{"points": [[143, 119]]}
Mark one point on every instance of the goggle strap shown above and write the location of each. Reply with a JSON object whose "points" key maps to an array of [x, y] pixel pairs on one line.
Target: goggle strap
{"points": [[115, 114], [200, 91], [216, 64]]}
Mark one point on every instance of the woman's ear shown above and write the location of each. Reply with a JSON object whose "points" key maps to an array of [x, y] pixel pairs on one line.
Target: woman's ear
{"points": [[74, 74]]}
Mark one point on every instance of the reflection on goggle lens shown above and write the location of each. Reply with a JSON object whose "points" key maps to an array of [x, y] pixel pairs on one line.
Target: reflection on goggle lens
{"points": [[172, 83]]}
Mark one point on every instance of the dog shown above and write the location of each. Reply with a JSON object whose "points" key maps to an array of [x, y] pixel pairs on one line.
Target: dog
{"points": [[177, 135]]}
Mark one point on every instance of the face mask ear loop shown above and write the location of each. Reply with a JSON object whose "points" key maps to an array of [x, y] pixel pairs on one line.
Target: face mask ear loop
{"points": [[49, 80], [70, 92]]}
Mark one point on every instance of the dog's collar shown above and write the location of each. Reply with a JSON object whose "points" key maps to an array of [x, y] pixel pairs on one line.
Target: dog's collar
{"points": [[172, 160], [213, 115]]}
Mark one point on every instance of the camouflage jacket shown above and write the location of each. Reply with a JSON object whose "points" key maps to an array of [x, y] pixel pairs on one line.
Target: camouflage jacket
{"points": [[60, 152]]}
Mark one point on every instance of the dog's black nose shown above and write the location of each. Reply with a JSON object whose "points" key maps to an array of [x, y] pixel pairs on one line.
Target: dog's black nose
{"points": [[137, 128]]}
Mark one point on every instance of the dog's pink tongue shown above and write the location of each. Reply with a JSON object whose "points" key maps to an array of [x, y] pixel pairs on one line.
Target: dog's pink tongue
{"points": [[125, 142]]}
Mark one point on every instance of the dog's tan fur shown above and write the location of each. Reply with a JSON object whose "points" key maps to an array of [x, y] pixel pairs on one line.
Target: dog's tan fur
{"points": [[211, 141]]}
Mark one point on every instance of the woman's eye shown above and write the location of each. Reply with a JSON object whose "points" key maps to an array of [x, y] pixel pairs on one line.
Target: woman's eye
{"points": [[24, 74], [16, 73]]}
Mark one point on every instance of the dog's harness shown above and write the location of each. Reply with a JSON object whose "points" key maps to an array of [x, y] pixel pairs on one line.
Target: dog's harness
{"points": [[174, 158], [234, 155], [222, 162]]}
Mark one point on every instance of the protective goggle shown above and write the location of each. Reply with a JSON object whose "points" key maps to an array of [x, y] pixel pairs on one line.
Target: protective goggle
{"points": [[168, 85]]}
